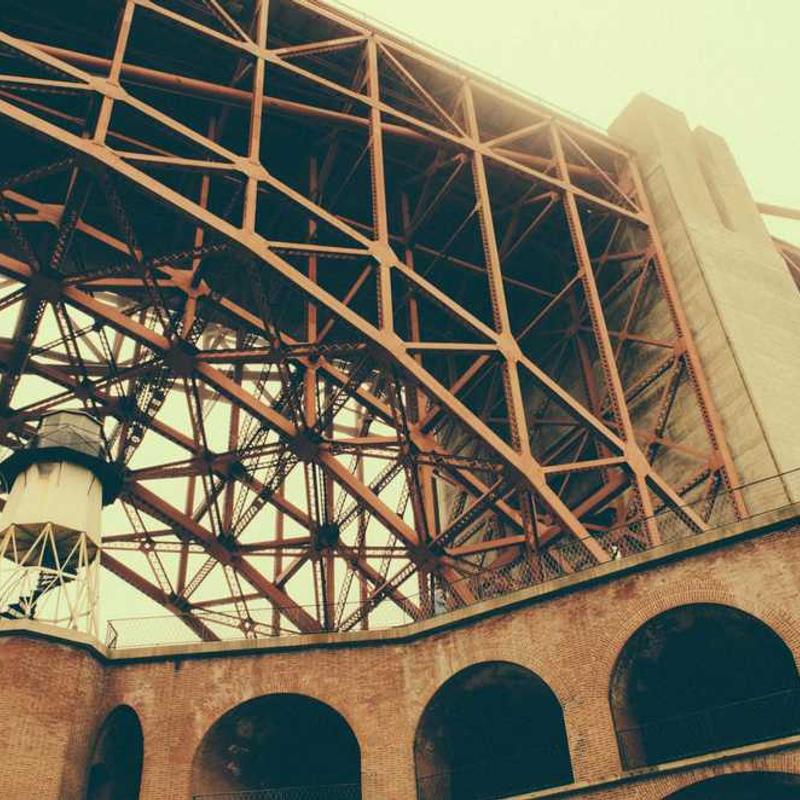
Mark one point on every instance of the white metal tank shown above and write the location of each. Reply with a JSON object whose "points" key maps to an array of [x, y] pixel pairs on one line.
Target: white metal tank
{"points": [[68, 496], [60, 479], [50, 526]]}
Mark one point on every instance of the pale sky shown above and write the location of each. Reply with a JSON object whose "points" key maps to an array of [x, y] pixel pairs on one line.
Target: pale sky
{"points": [[732, 66]]}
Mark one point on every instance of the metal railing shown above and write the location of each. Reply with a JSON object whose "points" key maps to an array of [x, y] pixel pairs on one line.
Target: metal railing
{"points": [[754, 719], [565, 556], [337, 791], [532, 769]]}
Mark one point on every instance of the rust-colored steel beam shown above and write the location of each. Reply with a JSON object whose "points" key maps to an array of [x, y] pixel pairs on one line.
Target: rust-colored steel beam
{"points": [[355, 320]]}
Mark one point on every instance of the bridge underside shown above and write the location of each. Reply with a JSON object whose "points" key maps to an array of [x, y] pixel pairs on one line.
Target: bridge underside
{"points": [[372, 337]]}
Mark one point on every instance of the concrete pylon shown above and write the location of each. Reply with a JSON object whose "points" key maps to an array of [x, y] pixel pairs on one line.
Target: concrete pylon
{"points": [[742, 305]]}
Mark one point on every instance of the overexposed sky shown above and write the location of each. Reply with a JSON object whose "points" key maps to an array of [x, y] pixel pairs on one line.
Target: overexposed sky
{"points": [[732, 66]]}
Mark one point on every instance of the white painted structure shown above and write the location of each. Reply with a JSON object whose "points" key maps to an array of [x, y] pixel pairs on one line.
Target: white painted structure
{"points": [[50, 526], [67, 496]]}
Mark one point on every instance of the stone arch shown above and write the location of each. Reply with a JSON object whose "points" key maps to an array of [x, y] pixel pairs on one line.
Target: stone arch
{"points": [[742, 786], [612, 637], [115, 772], [699, 678], [279, 741], [491, 730]]}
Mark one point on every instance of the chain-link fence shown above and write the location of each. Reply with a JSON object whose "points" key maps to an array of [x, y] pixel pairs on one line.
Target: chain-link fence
{"points": [[560, 556], [568, 555]]}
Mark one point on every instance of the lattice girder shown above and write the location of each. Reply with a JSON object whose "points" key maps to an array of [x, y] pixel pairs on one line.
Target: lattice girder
{"points": [[352, 316]]}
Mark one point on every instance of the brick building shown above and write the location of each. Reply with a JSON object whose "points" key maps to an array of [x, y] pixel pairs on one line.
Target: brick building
{"points": [[631, 630]]}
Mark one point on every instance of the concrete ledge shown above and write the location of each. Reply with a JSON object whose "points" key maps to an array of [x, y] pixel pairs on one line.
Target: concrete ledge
{"points": [[758, 525], [657, 770]]}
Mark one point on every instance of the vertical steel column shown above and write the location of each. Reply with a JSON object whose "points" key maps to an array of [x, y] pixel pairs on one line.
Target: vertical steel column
{"points": [[635, 458]]}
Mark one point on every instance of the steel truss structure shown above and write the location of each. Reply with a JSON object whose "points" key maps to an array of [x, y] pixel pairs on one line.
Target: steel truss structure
{"points": [[362, 326]]}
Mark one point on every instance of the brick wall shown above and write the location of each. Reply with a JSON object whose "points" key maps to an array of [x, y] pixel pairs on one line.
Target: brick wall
{"points": [[55, 696], [48, 712]]}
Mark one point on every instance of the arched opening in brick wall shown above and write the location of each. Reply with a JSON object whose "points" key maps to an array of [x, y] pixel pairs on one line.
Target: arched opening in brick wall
{"points": [[116, 768], [492, 730], [743, 786], [294, 745], [701, 678]]}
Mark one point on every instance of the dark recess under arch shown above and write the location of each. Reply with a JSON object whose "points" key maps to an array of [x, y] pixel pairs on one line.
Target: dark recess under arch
{"points": [[492, 730], [116, 769], [701, 678], [280, 742]]}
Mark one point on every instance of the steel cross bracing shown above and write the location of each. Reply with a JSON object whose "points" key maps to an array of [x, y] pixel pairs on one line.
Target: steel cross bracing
{"points": [[361, 325]]}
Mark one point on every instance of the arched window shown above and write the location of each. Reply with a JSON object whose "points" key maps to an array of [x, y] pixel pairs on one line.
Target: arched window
{"points": [[743, 786], [116, 769], [494, 729], [701, 678], [289, 743]]}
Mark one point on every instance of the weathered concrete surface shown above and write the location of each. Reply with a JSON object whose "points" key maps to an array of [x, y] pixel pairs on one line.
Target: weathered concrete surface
{"points": [[742, 306]]}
